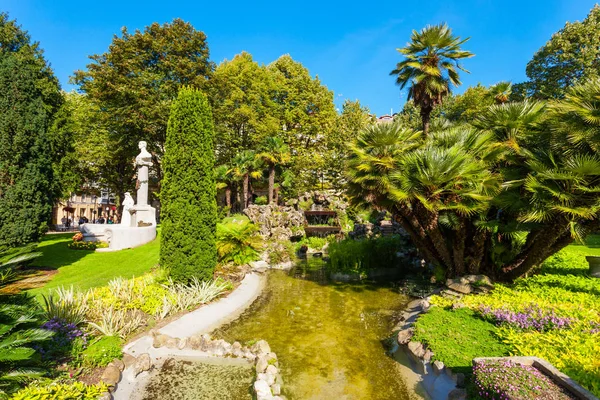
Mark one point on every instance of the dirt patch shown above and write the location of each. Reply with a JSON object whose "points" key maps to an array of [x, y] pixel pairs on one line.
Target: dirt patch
{"points": [[29, 279]]}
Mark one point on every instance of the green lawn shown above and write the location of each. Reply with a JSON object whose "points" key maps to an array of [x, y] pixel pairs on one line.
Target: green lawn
{"points": [[86, 269]]}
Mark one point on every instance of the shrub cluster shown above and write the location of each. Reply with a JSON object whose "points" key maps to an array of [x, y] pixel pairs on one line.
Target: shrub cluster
{"points": [[80, 245], [75, 390], [350, 255]]}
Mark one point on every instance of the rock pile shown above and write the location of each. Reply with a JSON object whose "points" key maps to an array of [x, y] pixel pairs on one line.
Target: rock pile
{"points": [[468, 284], [276, 222]]}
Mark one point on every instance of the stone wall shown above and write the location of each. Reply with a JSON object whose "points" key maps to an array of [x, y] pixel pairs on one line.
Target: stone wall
{"points": [[276, 222], [267, 386]]}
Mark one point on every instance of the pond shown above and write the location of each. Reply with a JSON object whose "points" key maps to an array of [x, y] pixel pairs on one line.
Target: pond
{"points": [[331, 338]]}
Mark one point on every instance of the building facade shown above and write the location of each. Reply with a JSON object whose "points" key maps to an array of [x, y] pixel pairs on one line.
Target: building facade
{"points": [[85, 205]]}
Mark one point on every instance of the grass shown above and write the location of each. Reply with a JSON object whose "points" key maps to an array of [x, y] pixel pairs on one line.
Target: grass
{"points": [[562, 287], [86, 269], [458, 336]]}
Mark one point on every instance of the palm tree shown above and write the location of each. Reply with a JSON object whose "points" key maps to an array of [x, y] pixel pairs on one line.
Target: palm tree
{"points": [[223, 179], [501, 92], [244, 167], [430, 67], [275, 152]]}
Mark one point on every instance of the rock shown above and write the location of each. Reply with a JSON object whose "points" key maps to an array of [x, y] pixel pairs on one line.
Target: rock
{"points": [[438, 366], [172, 343], [459, 287], [118, 363], [262, 389], [128, 360], [261, 347], [261, 364], [160, 340], [142, 363], [105, 396], [457, 394], [460, 380], [281, 233], [425, 305], [218, 347], [259, 265], [416, 349], [276, 389], [111, 375], [250, 355], [427, 356], [195, 342], [169, 363], [182, 343], [480, 279], [457, 305], [405, 335], [271, 369], [236, 345]]}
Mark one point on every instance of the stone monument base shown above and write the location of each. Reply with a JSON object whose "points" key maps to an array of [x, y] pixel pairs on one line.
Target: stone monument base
{"points": [[142, 216]]}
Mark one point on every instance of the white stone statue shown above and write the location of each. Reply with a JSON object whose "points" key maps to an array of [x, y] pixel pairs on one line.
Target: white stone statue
{"points": [[143, 161], [127, 204]]}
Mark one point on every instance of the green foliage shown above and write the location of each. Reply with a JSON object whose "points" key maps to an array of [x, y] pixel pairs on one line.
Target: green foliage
{"points": [[65, 305], [430, 66], [238, 241], [456, 337], [261, 200], [564, 288], [87, 245], [27, 186], [497, 196], [350, 255], [280, 252], [102, 351], [189, 209], [134, 84], [20, 320], [61, 391], [568, 58]]}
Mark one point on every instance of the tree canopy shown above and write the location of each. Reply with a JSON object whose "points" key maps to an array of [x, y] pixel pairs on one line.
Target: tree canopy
{"points": [[571, 56], [134, 84]]}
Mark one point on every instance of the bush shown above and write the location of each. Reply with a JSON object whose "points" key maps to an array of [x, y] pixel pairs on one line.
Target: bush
{"points": [[62, 341], [76, 390], [350, 255], [65, 305], [261, 201], [102, 351], [87, 245], [188, 190], [238, 241]]}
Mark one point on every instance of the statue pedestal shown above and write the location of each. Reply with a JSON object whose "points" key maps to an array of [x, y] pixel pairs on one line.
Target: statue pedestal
{"points": [[142, 215]]}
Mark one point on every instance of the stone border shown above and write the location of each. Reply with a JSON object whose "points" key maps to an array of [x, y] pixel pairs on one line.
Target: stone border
{"points": [[122, 376], [547, 369]]}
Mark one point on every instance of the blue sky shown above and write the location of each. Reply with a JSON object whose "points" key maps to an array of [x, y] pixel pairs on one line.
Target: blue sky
{"points": [[349, 45]]}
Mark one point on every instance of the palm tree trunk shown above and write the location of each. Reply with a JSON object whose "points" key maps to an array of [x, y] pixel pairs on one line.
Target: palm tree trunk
{"points": [[245, 194], [426, 118], [228, 197], [271, 182]]}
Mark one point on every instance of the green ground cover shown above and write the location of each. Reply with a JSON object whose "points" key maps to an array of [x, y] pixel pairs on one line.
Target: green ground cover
{"points": [[87, 269], [554, 314]]}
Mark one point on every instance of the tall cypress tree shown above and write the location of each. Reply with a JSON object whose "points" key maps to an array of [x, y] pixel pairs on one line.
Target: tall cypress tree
{"points": [[30, 96], [188, 191], [26, 177]]}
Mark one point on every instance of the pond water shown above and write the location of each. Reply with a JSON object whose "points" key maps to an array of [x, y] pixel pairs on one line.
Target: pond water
{"points": [[331, 338]]}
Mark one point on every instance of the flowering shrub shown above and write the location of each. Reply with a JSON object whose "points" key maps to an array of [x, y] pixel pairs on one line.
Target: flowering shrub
{"points": [[504, 379], [78, 237], [60, 344], [87, 245], [532, 317]]}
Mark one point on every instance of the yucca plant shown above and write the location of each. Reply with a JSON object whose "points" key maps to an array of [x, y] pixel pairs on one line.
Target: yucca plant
{"points": [[238, 241], [66, 305]]}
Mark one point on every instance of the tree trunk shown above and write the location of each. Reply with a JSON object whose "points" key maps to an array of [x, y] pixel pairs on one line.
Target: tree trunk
{"points": [[271, 182], [426, 118], [228, 197], [245, 193]]}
